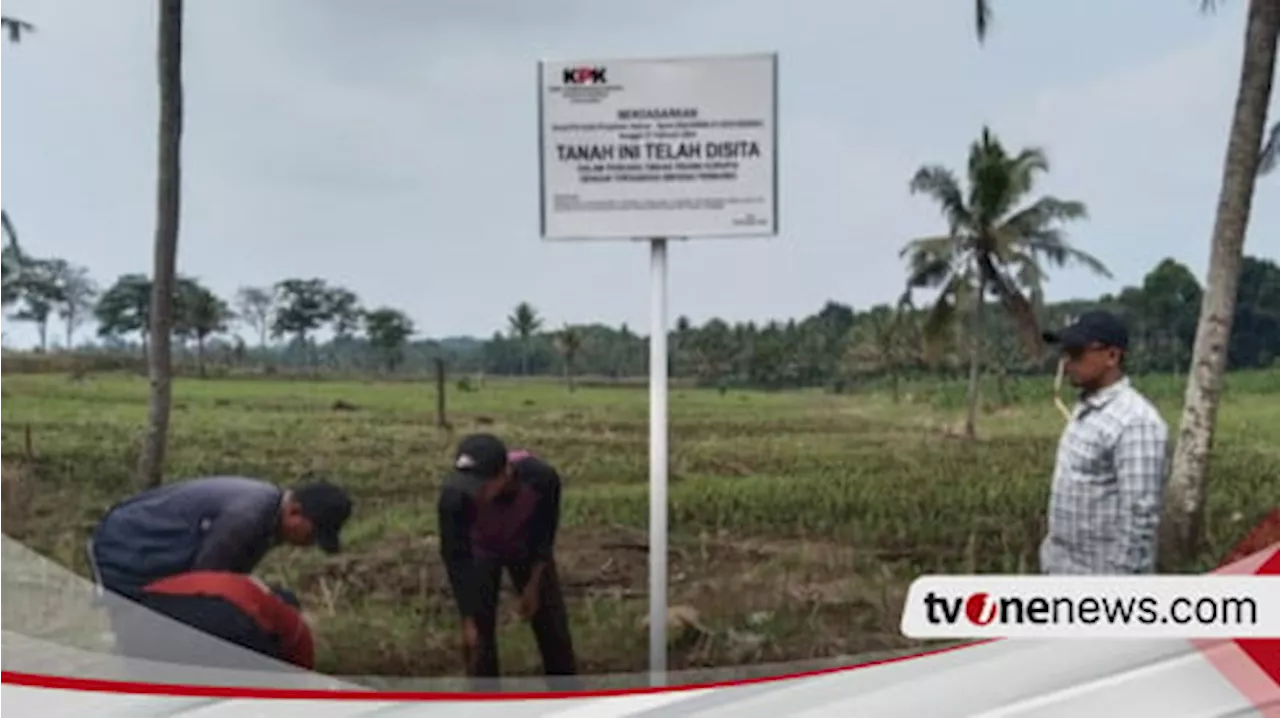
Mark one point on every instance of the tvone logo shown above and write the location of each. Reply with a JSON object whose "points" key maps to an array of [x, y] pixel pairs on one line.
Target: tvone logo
{"points": [[584, 76], [980, 609]]}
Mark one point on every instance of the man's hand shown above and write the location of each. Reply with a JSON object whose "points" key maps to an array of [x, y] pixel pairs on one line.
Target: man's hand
{"points": [[470, 634], [529, 601], [470, 645], [530, 597]]}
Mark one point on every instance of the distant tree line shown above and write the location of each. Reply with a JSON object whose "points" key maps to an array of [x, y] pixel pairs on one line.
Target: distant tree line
{"points": [[834, 348]]}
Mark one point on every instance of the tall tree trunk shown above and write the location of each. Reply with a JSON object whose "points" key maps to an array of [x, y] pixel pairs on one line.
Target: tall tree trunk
{"points": [[43, 327], [71, 330], [200, 356], [168, 196], [1184, 509], [975, 361]]}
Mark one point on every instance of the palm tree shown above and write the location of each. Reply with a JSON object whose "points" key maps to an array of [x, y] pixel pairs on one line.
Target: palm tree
{"points": [[168, 193], [569, 340], [14, 28], [884, 341], [524, 323], [995, 244]]}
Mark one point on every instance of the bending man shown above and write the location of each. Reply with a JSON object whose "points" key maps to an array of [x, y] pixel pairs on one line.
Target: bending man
{"points": [[221, 523], [500, 511]]}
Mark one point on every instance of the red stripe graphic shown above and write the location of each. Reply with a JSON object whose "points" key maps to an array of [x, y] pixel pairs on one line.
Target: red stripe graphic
{"points": [[1252, 665]]}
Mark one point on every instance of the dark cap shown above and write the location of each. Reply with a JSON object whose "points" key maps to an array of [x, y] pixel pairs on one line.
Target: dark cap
{"points": [[1095, 327], [483, 456], [328, 507]]}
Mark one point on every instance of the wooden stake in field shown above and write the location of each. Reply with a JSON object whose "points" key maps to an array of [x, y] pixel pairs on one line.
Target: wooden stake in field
{"points": [[441, 420]]}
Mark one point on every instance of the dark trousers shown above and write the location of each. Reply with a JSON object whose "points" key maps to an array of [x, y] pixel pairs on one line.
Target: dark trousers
{"points": [[550, 623]]}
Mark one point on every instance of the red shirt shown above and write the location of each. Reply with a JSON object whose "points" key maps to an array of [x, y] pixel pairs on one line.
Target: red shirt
{"points": [[265, 609]]}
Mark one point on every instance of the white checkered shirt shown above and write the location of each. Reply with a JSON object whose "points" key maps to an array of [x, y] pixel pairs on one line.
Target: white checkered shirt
{"points": [[1108, 486]]}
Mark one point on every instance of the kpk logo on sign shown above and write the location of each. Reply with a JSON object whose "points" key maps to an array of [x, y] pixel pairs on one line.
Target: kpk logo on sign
{"points": [[584, 76]]}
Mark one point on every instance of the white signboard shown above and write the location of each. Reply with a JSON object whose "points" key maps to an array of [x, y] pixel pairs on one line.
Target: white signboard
{"points": [[659, 148]]}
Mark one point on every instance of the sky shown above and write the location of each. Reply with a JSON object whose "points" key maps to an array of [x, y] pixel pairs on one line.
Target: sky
{"points": [[390, 146]]}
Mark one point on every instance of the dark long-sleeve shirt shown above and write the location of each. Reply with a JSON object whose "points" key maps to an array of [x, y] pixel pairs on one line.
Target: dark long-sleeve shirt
{"points": [[220, 523], [516, 529]]}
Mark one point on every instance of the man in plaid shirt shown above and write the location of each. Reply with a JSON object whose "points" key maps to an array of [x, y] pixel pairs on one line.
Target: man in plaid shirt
{"points": [[1108, 478]]}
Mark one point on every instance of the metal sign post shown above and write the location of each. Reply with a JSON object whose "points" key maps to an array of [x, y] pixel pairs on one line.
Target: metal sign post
{"points": [[658, 460]]}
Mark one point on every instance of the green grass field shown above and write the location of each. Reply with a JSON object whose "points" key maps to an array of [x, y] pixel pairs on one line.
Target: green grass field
{"points": [[798, 519]]}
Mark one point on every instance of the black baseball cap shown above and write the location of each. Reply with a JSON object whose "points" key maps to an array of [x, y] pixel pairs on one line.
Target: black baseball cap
{"points": [[1094, 327], [482, 456], [328, 506]]}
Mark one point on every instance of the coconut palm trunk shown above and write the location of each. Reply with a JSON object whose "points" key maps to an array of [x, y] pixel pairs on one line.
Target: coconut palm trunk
{"points": [[975, 362], [1183, 522], [168, 195]]}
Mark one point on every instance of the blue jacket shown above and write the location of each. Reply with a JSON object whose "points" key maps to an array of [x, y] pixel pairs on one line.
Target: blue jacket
{"points": [[220, 523]]}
